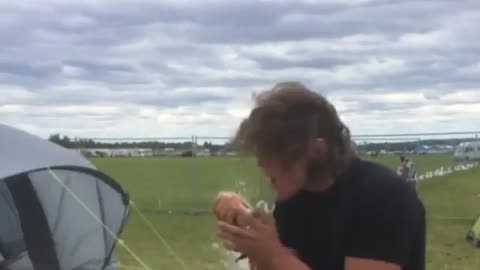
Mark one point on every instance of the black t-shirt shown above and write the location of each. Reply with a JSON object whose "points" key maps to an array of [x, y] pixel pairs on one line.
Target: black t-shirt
{"points": [[370, 212]]}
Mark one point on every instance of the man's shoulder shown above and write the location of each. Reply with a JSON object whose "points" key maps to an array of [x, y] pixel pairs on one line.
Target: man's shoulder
{"points": [[368, 172], [376, 183]]}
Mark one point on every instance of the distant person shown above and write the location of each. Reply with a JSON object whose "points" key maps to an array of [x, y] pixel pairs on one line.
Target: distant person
{"points": [[333, 209], [402, 168], [412, 173], [407, 171]]}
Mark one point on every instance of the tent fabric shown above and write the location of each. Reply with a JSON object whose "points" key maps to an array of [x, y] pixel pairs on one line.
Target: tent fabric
{"points": [[57, 210], [91, 243], [21, 262], [21, 151], [81, 241], [11, 235], [473, 235], [33, 223]]}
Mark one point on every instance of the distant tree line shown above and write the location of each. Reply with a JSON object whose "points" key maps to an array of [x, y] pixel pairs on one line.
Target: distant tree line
{"points": [[407, 146], [78, 143]]}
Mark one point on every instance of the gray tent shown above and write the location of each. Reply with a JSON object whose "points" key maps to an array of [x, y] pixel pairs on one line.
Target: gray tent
{"points": [[56, 210]]}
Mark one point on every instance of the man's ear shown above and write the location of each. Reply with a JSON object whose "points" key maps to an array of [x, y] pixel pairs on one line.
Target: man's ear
{"points": [[316, 157], [317, 149]]}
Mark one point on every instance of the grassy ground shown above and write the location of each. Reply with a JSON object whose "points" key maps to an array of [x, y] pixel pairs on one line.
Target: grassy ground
{"points": [[179, 183], [171, 181], [451, 202]]}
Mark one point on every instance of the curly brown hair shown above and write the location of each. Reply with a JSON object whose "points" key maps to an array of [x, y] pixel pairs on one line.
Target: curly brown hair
{"points": [[285, 121]]}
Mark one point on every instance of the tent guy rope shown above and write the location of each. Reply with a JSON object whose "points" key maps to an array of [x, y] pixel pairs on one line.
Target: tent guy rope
{"points": [[159, 236], [81, 203], [120, 241]]}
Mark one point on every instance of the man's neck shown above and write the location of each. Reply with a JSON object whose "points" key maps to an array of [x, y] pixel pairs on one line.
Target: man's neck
{"points": [[321, 186]]}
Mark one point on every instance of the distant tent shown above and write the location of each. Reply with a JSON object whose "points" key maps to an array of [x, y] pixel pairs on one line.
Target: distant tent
{"points": [[56, 210], [473, 235]]}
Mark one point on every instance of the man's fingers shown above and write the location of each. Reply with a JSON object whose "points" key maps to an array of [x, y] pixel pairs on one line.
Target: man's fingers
{"points": [[231, 242], [258, 220], [244, 219], [230, 246], [227, 205], [224, 236], [264, 217], [225, 212], [218, 209], [234, 231], [231, 217]]}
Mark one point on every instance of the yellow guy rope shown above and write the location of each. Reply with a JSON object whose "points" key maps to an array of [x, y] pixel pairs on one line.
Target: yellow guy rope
{"points": [[159, 236], [149, 224], [119, 241]]}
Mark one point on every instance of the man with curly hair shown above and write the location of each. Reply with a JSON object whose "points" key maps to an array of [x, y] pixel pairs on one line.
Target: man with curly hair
{"points": [[335, 210]]}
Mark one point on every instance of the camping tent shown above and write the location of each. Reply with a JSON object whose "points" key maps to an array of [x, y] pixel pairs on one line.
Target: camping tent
{"points": [[56, 210], [473, 235]]}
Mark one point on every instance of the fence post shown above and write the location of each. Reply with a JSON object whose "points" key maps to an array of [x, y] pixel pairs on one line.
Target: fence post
{"points": [[194, 174]]}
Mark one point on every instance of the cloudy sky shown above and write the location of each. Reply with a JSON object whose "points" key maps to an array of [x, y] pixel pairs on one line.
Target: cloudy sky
{"points": [[149, 68]]}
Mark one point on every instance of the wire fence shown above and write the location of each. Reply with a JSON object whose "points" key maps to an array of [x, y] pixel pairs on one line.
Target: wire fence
{"points": [[182, 175]]}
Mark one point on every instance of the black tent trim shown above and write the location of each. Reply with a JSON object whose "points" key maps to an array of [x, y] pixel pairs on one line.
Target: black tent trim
{"points": [[37, 234], [98, 174]]}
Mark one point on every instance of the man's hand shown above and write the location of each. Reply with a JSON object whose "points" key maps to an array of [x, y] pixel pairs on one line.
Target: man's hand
{"points": [[258, 240], [231, 208]]}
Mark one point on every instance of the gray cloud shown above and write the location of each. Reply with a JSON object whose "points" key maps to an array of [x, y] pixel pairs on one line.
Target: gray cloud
{"points": [[288, 22], [320, 63], [210, 56]]}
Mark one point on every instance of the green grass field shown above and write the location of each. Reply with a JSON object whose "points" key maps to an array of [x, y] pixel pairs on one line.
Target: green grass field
{"points": [[452, 204]]}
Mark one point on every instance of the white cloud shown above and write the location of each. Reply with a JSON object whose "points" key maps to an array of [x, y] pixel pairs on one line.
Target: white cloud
{"points": [[147, 112], [14, 94], [72, 71], [85, 109], [79, 21], [397, 98], [368, 70], [424, 40], [461, 96], [11, 108]]}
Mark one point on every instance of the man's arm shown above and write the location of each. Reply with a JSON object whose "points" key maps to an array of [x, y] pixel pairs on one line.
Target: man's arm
{"points": [[290, 262], [363, 264], [285, 260]]}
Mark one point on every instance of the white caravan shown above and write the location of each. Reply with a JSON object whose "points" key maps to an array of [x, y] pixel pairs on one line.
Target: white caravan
{"points": [[468, 151]]}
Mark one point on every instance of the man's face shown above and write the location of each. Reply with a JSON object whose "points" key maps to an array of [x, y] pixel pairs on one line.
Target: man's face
{"points": [[285, 181]]}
